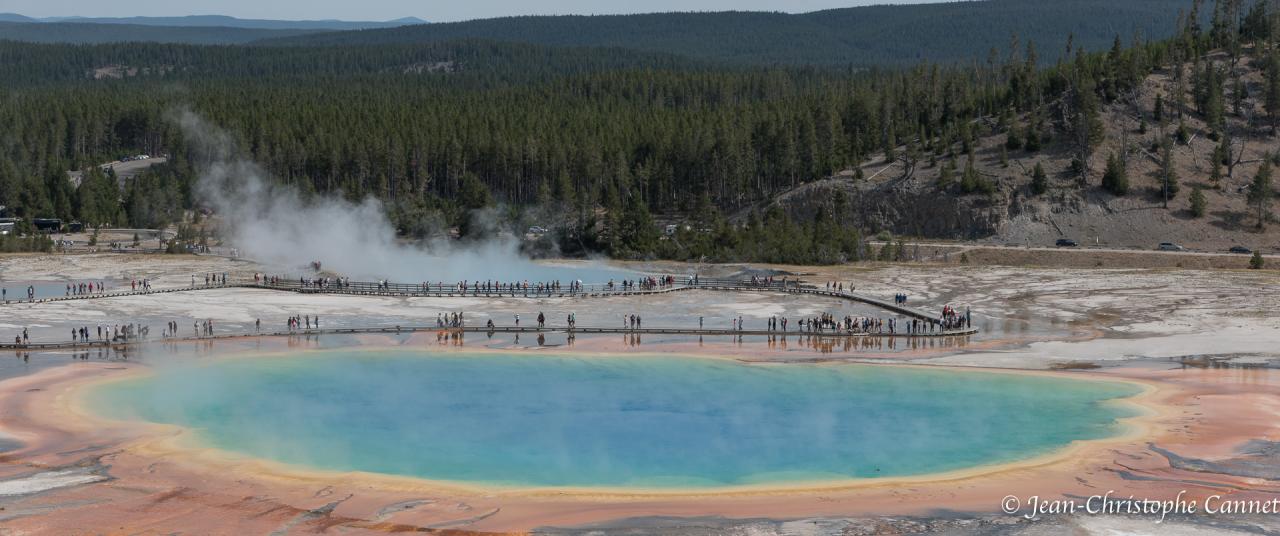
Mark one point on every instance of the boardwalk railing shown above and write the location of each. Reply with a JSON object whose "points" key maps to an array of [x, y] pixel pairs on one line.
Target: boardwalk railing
{"points": [[432, 289], [10, 300], [832, 333], [738, 285], [447, 290]]}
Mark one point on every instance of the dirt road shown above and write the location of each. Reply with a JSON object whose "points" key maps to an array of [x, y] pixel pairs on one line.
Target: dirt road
{"points": [[1077, 257]]}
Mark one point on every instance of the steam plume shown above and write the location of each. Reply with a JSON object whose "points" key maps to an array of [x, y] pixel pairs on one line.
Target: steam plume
{"points": [[275, 224]]}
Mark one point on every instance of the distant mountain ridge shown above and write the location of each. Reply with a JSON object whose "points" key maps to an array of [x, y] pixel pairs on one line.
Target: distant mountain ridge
{"points": [[222, 21], [958, 32], [903, 34], [14, 17], [88, 33]]}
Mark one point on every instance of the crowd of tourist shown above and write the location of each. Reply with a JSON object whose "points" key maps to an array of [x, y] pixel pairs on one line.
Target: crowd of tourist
{"points": [[644, 283], [211, 279], [454, 320], [81, 289], [768, 281], [838, 286], [299, 322], [77, 289], [954, 319], [113, 333], [71, 289], [490, 287]]}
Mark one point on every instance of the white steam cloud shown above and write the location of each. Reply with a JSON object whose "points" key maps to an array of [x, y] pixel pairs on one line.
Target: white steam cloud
{"points": [[274, 224]]}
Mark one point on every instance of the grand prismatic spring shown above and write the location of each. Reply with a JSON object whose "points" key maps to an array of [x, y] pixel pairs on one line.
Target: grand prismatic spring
{"points": [[642, 421]]}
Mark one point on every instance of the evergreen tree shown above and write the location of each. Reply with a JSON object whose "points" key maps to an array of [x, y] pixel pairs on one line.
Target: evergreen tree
{"points": [[1261, 191], [636, 233], [1039, 180], [1198, 203], [1214, 104], [886, 251], [1272, 101], [944, 176], [1224, 152], [1215, 167], [1032, 144], [1257, 23], [1115, 179], [972, 182], [1168, 175], [1013, 141], [1085, 124]]}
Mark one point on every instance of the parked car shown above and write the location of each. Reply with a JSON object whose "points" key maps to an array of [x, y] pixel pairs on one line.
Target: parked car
{"points": [[1066, 243], [1170, 246], [1240, 249]]}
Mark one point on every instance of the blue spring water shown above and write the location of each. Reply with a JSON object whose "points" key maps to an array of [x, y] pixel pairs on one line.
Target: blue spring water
{"points": [[647, 421]]}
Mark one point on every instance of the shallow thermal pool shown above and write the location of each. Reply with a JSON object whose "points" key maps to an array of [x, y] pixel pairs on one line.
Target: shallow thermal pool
{"points": [[562, 420]]}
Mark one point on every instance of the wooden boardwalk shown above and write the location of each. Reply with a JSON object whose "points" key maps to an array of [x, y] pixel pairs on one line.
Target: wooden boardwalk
{"points": [[597, 291], [72, 345], [364, 289], [116, 294], [587, 291]]}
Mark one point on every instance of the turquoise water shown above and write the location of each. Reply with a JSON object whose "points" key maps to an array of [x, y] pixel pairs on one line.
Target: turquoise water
{"points": [[552, 420]]}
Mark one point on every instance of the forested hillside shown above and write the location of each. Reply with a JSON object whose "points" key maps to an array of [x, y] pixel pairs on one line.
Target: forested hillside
{"points": [[470, 63], [598, 144], [875, 35], [890, 35]]}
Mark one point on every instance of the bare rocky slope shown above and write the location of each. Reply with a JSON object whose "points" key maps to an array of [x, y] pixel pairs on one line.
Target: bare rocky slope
{"points": [[891, 198]]}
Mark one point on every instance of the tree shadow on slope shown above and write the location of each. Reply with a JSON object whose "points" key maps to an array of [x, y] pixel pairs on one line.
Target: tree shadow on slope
{"points": [[1232, 220]]}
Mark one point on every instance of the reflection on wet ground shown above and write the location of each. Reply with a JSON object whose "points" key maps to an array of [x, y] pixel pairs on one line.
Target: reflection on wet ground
{"points": [[745, 347]]}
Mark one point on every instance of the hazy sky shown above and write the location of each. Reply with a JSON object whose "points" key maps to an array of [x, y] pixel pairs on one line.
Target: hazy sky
{"points": [[432, 10]]}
